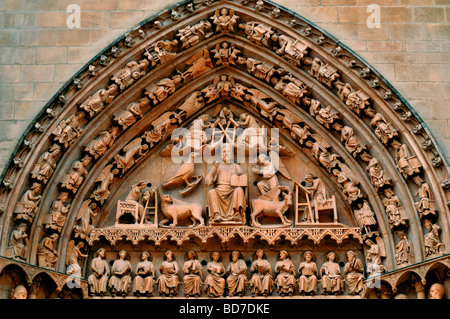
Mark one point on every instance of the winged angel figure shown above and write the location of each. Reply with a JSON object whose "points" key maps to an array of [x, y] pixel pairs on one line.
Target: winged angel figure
{"points": [[225, 21]]}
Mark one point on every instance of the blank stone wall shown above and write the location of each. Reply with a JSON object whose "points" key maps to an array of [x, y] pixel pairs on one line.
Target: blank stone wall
{"points": [[39, 53]]}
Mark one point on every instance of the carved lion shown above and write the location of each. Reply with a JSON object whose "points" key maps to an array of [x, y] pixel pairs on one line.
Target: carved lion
{"points": [[175, 210]]}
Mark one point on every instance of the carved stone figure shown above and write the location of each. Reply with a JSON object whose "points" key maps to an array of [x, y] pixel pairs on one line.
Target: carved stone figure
{"points": [[383, 130], [19, 242], [285, 271], [45, 166], [252, 135], [323, 72], [162, 51], [349, 184], [98, 280], [261, 282], [374, 254], [298, 133], [237, 275], [83, 221], [291, 49], [159, 91], [191, 35], [331, 280], [269, 205], [129, 116], [19, 292], [437, 291], [195, 139], [68, 130], [432, 242], [175, 210], [225, 21], [257, 32], [182, 176], [28, 204], [324, 115], [261, 69], [393, 209], [132, 71], [73, 255], [365, 216], [403, 250], [144, 279], [132, 153], [307, 281], [168, 280], [425, 204], [133, 199], [324, 156], [407, 164], [262, 103], [46, 252], [352, 143], [200, 63], [356, 101], [226, 201], [102, 142], [103, 181], [292, 88], [223, 86], [214, 282], [225, 54], [77, 173], [354, 274], [56, 218], [377, 175], [161, 127], [317, 187], [97, 102], [120, 280], [192, 279]]}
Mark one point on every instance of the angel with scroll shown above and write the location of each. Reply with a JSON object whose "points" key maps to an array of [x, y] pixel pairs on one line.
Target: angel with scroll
{"points": [[225, 22]]}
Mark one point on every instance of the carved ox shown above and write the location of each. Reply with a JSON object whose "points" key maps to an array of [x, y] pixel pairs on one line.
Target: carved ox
{"points": [[175, 210], [271, 208]]}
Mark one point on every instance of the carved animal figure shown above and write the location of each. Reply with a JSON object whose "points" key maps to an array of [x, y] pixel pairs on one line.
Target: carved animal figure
{"points": [[175, 210], [271, 207], [183, 174]]}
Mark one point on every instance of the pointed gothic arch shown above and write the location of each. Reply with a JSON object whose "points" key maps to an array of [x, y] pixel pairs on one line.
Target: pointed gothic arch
{"points": [[274, 57]]}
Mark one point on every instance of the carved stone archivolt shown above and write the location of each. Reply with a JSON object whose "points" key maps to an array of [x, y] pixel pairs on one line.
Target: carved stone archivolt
{"points": [[222, 83]]}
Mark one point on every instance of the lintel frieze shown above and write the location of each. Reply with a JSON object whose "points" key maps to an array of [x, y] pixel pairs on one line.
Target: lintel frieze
{"points": [[338, 233]]}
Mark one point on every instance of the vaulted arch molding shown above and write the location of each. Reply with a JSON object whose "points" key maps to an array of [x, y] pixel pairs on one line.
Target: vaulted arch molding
{"points": [[175, 100], [109, 111], [351, 69], [170, 104]]}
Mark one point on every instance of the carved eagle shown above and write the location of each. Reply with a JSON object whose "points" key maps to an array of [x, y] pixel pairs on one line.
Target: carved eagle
{"points": [[183, 174]]}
